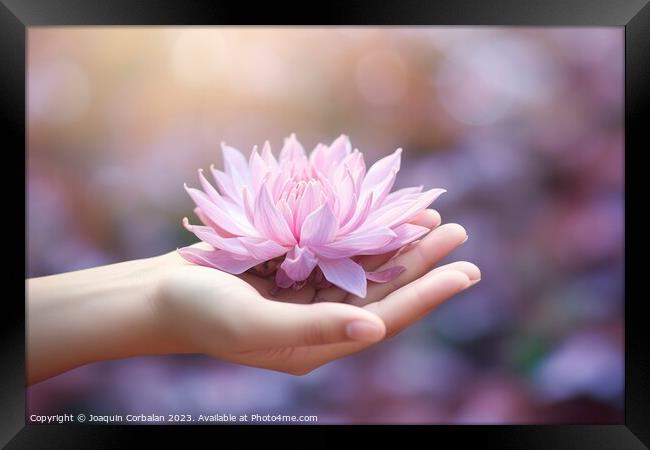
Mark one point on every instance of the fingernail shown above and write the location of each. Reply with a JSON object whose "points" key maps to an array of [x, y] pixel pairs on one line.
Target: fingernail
{"points": [[473, 282], [465, 240], [365, 331]]}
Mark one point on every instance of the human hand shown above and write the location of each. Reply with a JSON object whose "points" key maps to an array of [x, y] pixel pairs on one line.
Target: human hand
{"points": [[238, 319]]}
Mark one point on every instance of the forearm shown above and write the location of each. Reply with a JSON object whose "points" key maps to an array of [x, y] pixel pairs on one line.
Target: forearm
{"points": [[90, 315]]}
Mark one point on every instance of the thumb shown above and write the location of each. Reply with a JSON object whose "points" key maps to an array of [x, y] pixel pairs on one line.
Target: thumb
{"points": [[277, 324]]}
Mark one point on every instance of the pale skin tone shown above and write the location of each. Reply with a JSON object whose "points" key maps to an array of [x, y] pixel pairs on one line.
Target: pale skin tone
{"points": [[165, 305]]}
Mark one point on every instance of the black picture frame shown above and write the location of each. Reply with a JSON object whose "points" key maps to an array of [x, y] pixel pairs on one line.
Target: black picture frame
{"points": [[634, 15]]}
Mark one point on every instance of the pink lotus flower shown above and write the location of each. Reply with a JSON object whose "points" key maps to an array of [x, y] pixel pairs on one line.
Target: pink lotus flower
{"points": [[303, 219]]}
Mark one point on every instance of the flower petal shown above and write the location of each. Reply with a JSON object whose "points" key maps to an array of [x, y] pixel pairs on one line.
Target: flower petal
{"points": [[406, 233], [309, 202], [267, 156], [226, 185], [247, 201], [402, 194], [338, 150], [207, 222], [208, 188], [206, 234], [344, 192], [221, 214], [386, 275], [381, 190], [235, 165], [345, 274], [318, 157], [262, 249], [270, 221], [396, 214], [286, 212], [381, 170], [319, 227], [356, 244], [355, 163], [282, 279], [299, 263], [218, 259], [258, 170], [233, 209], [360, 214], [278, 183], [292, 149]]}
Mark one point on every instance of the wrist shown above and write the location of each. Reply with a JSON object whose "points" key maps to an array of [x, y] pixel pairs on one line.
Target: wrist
{"points": [[158, 332], [90, 315], [139, 326]]}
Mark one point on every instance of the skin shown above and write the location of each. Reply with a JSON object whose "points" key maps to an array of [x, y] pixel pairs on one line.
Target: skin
{"points": [[165, 305]]}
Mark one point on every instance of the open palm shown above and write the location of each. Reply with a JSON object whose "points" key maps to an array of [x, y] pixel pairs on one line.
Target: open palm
{"points": [[241, 319]]}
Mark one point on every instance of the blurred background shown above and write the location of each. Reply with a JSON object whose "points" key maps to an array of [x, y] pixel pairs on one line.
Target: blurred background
{"points": [[522, 126]]}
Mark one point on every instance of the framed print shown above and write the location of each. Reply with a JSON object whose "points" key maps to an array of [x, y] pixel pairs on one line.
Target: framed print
{"points": [[391, 216]]}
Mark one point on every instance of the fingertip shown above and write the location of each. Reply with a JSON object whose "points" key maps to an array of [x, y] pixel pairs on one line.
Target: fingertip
{"points": [[429, 218], [349, 323], [450, 277], [361, 324], [372, 318], [437, 288], [458, 231], [365, 331], [435, 217], [471, 270], [468, 268], [348, 312]]}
